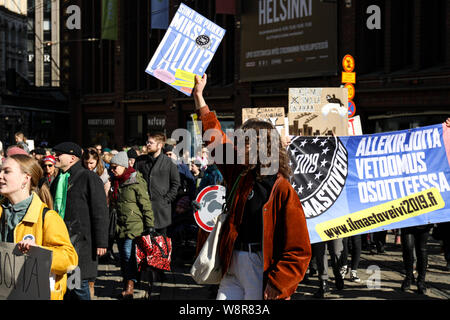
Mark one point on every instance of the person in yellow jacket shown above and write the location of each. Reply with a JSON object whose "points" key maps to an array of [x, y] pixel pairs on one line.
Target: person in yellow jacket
{"points": [[22, 218]]}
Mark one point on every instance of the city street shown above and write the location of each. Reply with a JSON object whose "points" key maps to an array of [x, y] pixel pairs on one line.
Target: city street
{"points": [[178, 285], [302, 121]]}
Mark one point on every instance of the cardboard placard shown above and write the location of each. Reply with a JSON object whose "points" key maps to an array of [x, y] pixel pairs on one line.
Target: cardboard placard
{"points": [[274, 115], [24, 277], [318, 111]]}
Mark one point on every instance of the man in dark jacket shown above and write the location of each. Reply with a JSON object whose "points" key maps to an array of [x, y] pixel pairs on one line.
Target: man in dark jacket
{"points": [[80, 200], [163, 180]]}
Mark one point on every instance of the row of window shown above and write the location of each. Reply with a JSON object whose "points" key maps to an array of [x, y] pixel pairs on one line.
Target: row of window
{"points": [[412, 35]]}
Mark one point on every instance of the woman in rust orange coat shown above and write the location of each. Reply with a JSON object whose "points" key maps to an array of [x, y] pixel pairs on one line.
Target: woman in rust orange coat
{"points": [[264, 245]]}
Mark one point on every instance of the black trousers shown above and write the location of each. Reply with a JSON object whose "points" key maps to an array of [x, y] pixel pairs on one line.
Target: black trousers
{"points": [[380, 239], [335, 248], [353, 245], [445, 227], [415, 238]]}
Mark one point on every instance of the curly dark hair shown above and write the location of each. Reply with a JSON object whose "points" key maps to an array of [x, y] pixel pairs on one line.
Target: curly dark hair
{"points": [[260, 126]]}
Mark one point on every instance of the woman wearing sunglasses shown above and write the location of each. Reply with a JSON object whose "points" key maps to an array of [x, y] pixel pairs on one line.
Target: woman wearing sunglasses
{"points": [[50, 171], [134, 216]]}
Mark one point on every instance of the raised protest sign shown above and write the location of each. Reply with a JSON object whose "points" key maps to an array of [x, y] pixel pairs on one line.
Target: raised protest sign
{"points": [[359, 184], [274, 115], [186, 50], [318, 111], [24, 277]]}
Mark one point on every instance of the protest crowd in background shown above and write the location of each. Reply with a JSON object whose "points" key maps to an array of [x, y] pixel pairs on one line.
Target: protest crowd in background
{"points": [[138, 206], [141, 190]]}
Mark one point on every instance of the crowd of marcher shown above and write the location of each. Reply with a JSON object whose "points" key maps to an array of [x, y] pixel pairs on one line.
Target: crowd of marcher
{"points": [[97, 197], [79, 203]]}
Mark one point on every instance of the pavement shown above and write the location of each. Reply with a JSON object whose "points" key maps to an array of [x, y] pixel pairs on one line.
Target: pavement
{"points": [[381, 277]]}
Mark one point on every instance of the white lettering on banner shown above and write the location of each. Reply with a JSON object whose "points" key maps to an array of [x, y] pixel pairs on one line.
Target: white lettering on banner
{"points": [[379, 145], [273, 11], [384, 190], [378, 160], [389, 166]]}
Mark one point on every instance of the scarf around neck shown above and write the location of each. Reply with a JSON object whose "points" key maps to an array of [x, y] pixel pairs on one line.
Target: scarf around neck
{"points": [[120, 180], [61, 194]]}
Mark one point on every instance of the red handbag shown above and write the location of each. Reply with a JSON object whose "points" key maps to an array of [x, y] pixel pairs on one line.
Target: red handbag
{"points": [[153, 251]]}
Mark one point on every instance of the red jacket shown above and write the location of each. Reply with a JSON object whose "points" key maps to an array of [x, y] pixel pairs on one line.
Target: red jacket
{"points": [[286, 245]]}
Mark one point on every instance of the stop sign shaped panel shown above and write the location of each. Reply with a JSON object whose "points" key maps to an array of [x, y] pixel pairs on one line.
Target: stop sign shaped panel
{"points": [[210, 200]]}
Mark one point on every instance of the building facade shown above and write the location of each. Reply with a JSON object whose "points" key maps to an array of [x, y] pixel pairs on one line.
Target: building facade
{"points": [[43, 43], [30, 98], [13, 28], [402, 68]]}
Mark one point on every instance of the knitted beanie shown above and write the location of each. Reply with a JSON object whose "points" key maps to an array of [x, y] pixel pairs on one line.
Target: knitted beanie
{"points": [[120, 159]]}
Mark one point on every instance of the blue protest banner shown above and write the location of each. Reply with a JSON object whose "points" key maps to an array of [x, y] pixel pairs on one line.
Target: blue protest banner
{"points": [[186, 50], [359, 184]]}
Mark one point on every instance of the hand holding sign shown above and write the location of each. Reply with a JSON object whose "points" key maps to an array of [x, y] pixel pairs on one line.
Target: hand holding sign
{"points": [[25, 245], [24, 277], [200, 84]]}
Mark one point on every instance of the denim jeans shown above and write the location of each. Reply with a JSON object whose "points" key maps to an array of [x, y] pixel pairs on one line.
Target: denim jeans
{"points": [[79, 294], [128, 264]]}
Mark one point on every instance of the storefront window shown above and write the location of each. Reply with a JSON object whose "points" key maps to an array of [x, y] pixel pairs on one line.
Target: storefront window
{"points": [[135, 129], [101, 131]]}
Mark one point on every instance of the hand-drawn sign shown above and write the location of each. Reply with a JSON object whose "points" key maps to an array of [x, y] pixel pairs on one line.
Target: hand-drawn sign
{"points": [[318, 111], [24, 276], [211, 200]]}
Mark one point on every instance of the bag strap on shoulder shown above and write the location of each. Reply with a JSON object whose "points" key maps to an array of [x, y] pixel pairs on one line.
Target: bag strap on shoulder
{"points": [[44, 212], [230, 199]]}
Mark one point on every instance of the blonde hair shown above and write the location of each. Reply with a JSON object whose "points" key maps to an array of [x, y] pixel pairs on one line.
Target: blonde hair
{"points": [[31, 167], [21, 136], [158, 136], [107, 157]]}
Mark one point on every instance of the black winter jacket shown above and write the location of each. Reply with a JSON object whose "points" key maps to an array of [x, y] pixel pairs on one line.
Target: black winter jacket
{"points": [[86, 216]]}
